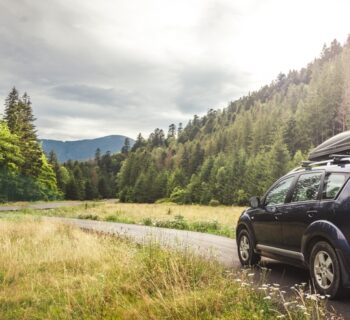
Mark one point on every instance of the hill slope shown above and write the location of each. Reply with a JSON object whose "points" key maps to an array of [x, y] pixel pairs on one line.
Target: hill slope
{"points": [[231, 154], [83, 149]]}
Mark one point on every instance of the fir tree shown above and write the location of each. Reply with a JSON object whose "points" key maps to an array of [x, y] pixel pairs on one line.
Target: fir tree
{"points": [[126, 146]]}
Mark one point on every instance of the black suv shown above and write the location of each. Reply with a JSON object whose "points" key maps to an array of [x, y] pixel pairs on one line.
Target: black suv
{"points": [[304, 220]]}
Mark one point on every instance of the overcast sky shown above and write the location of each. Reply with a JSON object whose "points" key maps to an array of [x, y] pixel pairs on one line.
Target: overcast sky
{"points": [[100, 67]]}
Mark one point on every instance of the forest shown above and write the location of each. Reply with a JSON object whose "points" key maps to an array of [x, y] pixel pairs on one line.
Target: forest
{"points": [[223, 157]]}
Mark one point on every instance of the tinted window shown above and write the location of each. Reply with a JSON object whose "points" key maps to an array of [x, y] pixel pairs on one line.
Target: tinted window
{"points": [[279, 192], [307, 187], [332, 185]]}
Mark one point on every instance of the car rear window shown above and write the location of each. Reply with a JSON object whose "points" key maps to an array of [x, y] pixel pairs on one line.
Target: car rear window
{"points": [[332, 185], [307, 187]]}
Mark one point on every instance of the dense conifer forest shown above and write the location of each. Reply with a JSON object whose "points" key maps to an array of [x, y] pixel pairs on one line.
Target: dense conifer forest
{"points": [[223, 157], [228, 155]]}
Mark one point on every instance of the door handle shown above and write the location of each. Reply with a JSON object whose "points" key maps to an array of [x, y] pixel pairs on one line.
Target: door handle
{"points": [[311, 213], [277, 215]]}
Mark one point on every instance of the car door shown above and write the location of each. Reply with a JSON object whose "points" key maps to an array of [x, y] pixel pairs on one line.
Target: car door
{"points": [[266, 223], [303, 209], [332, 198]]}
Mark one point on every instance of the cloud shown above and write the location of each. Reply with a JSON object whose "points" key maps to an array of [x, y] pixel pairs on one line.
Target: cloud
{"points": [[120, 67], [94, 95]]}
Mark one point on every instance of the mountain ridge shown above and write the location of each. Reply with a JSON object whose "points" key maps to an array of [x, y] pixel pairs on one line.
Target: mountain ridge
{"points": [[83, 149]]}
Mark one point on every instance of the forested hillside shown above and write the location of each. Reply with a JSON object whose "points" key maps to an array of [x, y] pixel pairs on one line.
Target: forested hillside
{"points": [[230, 154]]}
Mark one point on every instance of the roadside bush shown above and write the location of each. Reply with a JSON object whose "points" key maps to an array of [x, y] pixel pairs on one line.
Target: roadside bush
{"points": [[214, 203], [180, 196], [205, 226], [178, 223], [241, 197], [117, 218], [147, 221]]}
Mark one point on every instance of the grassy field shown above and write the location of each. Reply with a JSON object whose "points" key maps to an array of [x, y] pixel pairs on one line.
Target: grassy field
{"points": [[216, 220], [53, 271]]}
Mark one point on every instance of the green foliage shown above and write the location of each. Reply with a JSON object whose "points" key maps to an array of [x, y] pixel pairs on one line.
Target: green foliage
{"points": [[25, 173], [10, 153], [179, 196], [231, 154], [214, 203], [89, 180]]}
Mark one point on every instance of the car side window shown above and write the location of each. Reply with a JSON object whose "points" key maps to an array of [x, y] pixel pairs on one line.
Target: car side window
{"points": [[332, 184], [307, 187], [277, 195]]}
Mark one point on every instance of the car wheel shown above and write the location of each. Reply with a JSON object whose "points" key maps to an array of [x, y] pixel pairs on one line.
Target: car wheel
{"points": [[325, 270], [245, 249]]}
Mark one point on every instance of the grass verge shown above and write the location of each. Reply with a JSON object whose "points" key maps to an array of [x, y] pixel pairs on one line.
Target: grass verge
{"points": [[215, 220], [53, 271]]}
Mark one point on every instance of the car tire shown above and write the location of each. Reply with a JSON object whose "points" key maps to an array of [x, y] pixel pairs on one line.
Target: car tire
{"points": [[245, 248], [325, 270]]}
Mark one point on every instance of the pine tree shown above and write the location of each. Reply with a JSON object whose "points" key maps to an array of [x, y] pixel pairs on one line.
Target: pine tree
{"points": [[126, 146], [179, 129], [11, 110], [172, 131], [20, 120], [139, 143], [98, 156]]}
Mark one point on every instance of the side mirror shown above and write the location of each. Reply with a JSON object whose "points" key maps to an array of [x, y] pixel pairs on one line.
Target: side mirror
{"points": [[254, 202]]}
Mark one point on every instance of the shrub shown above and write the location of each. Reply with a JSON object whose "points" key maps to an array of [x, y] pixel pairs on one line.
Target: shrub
{"points": [[241, 197], [178, 223], [147, 222], [163, 200], [214, 203], [112, 218], [180, 196], [205, 226], [88, 216]]}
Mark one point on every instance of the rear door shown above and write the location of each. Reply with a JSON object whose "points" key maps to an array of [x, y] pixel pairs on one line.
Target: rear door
{"points": [[303, 208]]}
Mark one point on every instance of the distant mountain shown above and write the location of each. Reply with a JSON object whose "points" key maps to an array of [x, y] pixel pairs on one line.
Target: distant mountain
{"points": [[84, 149]]}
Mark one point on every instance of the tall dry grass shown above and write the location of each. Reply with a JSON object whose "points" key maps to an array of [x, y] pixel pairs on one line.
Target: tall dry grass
{"points": [[218, 220], [53, 271]]}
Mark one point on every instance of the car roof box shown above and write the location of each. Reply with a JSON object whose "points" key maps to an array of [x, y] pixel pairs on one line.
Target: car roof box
{"points": [[339, 144]]}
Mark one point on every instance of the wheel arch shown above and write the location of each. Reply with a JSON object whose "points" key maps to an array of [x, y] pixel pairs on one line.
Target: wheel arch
{"points": [[324, 230], [245, 223]]}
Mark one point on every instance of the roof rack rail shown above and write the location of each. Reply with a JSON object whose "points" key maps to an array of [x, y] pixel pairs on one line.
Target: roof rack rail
{"points": [[335, 159]]}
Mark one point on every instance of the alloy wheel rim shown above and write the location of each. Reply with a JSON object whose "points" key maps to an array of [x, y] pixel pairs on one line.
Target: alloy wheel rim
{"points": [[323, 269], [244, 247]]}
